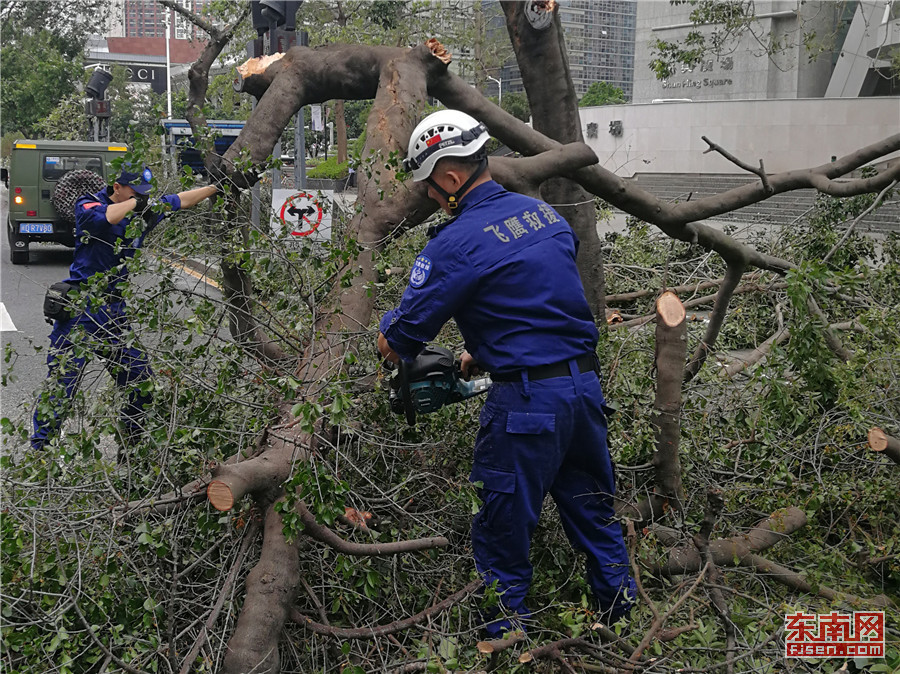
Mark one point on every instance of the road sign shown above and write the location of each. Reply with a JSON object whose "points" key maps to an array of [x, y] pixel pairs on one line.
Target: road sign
{"points": [[302, 215]]}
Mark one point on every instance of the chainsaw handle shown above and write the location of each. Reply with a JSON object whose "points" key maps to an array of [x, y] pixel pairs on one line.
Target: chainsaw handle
{"points": [[405, 394]]}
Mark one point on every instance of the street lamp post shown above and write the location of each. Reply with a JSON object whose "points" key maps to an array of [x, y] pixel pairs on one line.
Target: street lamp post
{"points": [[168, 66], [499, 90]]}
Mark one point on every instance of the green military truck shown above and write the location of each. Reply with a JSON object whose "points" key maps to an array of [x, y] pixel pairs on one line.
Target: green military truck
{"points": [[35, 168]]}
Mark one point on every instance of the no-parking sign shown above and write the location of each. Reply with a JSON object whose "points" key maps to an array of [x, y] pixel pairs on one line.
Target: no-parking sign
{"points": [[299, 215]]}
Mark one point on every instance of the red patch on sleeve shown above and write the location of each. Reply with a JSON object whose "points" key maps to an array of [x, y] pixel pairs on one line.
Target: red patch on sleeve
{"points": [[91, 205]]}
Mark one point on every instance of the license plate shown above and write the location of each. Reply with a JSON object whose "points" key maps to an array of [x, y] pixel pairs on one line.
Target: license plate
{"points": [[35, 228]]}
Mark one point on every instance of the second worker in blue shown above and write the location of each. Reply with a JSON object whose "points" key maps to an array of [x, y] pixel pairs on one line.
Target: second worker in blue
{"points": [[504, 269], [105, 240]]}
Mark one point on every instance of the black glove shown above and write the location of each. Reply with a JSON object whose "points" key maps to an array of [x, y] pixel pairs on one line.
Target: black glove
{"points": [[142, 201]]}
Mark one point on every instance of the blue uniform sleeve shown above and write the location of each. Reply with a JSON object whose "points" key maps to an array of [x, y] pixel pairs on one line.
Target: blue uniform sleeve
{"points": [[439, 285], [90, 214]]}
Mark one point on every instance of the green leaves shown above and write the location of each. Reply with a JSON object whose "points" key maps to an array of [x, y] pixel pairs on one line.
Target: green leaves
{"points": [[602, 93]]}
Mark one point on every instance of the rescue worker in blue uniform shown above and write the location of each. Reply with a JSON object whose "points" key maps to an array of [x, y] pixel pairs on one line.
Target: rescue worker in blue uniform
{"points": [[102, 248], [504, 268]]}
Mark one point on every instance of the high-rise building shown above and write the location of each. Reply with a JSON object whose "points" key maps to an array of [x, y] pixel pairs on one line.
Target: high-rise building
{"points": [[147, 18], [599, 37]]}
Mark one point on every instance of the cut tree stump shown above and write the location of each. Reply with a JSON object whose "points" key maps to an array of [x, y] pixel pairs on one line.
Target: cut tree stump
{"points": [[669, 309], [879, 441]]}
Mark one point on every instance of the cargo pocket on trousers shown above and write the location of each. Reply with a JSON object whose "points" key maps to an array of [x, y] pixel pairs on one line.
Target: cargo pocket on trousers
{"points": [[496, 494], [530, 423]]}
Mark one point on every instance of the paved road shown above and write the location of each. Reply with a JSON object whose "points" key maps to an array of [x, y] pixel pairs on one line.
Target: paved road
{"points": [[21, 293], [23, 330]]}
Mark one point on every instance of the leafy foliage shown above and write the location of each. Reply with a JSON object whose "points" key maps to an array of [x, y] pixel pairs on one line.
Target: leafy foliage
{"points": [[329, 169], [516, 104], [602, 93], [143, 585], [37, 73]]}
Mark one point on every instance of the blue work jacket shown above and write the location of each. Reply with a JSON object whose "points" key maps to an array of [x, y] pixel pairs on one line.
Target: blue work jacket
{"points": [[504, 269], [106, 247]]}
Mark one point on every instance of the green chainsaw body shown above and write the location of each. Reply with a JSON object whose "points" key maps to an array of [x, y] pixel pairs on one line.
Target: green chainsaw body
{"points": [[432, 380]]}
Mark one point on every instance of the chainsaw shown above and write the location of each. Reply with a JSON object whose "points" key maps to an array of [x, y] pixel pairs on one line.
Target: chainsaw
{"points": [[432, 380]]}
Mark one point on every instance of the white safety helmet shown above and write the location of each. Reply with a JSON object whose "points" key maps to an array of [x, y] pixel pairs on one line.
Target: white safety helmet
{"points": [[446, 133]]}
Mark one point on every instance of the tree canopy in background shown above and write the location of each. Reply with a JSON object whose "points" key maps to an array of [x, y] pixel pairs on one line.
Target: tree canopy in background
{"points": [[42, 55], [602, 93]]}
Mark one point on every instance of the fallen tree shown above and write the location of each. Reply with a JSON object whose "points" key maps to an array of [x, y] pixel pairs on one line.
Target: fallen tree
{"points": [[286, 474]]}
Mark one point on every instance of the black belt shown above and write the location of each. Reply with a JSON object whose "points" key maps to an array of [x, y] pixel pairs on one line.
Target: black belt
{"points": [[586, 363]]}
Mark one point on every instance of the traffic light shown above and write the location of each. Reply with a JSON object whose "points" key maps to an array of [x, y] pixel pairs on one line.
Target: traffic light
{"points": [[97, 108], [275, 22], [280, 12], [260, 23], [100, 79]]}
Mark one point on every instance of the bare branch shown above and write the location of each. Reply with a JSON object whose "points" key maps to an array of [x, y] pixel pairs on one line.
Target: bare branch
{"points": [[715, 504], [525, 175], [686, 559], [390, 628], [761, 171], [325, 535], [496, 645], [859, 217], [831, 338], [671, 344], [657, 624], [796, 581], [224, 593], [733, 275]]}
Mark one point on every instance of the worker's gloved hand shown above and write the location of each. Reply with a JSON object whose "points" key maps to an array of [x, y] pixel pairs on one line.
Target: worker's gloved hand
{"points": [[143, 200]]}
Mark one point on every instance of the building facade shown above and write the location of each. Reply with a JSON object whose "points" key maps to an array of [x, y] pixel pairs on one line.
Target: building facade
{"points": [[791, 49], [147, 19], [137, 40]]}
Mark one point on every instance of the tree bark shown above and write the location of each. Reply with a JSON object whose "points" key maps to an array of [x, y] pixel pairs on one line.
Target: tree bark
{"points": [[340, 129], [733, 275], [729, 551], [270, 591], [544, 64], [671, 346]]}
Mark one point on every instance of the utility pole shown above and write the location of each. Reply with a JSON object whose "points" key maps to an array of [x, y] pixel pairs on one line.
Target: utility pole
{"points": [[275, 23]]}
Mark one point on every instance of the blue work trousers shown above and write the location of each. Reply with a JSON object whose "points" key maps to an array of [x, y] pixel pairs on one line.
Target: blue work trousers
{"points": [[539, 437], [103, 332]]}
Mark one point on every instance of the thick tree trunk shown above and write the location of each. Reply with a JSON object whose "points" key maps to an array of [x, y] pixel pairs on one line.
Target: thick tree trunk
{"points": [[541, 56], [271, 589]]}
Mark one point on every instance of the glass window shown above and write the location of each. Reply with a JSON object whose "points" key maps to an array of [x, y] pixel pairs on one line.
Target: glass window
{"points": [[56, 166]]}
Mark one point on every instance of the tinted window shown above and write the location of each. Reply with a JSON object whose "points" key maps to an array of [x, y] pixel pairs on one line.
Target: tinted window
{"points": [[57, 165]]}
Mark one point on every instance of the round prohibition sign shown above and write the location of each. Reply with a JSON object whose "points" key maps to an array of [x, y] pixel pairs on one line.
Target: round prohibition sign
{"points": [[306, 209]]}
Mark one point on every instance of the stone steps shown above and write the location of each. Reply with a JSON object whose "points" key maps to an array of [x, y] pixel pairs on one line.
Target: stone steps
{"points": [[783, 209]]}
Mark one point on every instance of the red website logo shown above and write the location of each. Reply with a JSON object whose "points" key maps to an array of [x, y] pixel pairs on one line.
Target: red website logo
{"points": [[833, 635]]}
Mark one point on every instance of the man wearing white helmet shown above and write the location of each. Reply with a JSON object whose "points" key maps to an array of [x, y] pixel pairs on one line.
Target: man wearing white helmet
{"points": [[504, 269]]}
